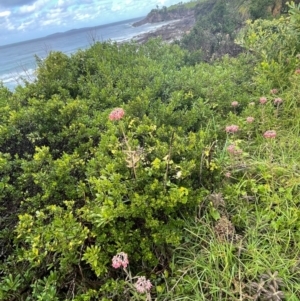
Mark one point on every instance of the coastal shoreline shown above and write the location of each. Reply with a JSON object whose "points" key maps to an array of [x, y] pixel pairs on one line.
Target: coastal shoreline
{"points": [[169, 33], [13, 68]]}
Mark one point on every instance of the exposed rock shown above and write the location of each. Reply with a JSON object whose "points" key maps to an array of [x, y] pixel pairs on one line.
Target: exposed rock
{"points": [[156, 16], [170, 32]]}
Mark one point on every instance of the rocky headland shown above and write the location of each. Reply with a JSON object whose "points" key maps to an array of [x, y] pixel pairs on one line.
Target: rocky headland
{"points": [[181, 22], [162, 15]]}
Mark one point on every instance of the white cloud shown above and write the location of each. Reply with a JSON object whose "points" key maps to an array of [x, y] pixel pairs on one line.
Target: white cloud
{"points": [[54, 13], [82, 17], [27, 9], [5, 13], [115, 7], [9, 26], [31, 8], [60, 3], [50, 22], [24, 25]]}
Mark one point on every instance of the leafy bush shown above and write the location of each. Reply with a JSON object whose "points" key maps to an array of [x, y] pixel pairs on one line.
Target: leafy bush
{"points": [[191, 171], [275, 43], [86, 187]]}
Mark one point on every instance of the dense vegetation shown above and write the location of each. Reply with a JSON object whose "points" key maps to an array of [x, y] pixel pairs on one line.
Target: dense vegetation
{"points": [[185, 5], [195, 176], [218, 22], [174, 12]]}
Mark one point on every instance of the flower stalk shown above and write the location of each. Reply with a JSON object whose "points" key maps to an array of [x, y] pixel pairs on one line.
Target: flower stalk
{"points": [[132, 157]]}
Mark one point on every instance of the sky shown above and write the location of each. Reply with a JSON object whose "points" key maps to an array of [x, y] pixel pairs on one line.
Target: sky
{"points": [[22, 20]]}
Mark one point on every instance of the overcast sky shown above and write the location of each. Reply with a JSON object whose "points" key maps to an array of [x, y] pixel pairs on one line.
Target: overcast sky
{"points": [[28, 19]]}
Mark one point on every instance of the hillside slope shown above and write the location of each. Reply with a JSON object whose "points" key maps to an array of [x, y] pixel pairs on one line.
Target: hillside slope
{"points": [[176, 12], [129, 173]]}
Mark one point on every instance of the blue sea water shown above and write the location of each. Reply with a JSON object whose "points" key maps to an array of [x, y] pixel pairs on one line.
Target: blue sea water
{"points": [[17, 60]]}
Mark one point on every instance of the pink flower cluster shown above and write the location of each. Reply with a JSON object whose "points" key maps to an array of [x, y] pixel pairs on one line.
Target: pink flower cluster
{"points": [[270, 134], [297, 71], [120, 260], [233, 150], [227, 175], [277, 101], [143, 285], [116, 114], [274, 91], [263, 100], [231, 129], [250, 119], [234, 104]]}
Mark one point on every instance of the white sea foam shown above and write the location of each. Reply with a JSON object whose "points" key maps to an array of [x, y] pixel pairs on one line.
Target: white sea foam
{"points": [[146, 28], [17, 78]]}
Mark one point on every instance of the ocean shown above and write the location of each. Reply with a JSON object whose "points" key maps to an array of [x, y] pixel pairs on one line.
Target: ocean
{"points": [[17, 60]]}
